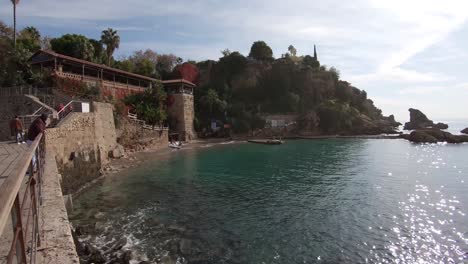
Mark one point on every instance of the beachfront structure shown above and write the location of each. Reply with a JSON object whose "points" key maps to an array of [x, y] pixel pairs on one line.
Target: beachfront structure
{"points": [[181, 107], [118, 84], [279, 121]]}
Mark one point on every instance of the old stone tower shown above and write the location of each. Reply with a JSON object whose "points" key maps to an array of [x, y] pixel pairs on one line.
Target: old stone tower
{"points": [[180, 108]]}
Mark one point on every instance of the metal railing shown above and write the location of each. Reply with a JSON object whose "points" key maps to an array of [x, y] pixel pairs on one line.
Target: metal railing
{"points": [[72, 106], [22, 90], [133, 117], [21, 202]]}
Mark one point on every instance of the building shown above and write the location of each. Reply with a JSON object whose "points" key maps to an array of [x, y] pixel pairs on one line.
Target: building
{"points": [[118, 84], [280, 120], [180, 108]]}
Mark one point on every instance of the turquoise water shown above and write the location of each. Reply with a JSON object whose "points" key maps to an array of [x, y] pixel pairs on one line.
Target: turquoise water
{"points": [[316, 201]]}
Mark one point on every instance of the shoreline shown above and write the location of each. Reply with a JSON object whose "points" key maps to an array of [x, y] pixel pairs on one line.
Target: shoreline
{"points": [[134, 159]]}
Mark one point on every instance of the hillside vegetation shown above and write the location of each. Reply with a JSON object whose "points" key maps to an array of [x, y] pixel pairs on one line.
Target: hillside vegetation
{"points": [[241, 91]]}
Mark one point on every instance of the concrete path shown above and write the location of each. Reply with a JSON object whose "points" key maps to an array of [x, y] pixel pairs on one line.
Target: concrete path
{"points": [[10, 153]]}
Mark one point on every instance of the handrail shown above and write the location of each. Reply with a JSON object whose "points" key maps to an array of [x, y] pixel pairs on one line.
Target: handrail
{"points": [[37, 111], [65, 107], [134, 118], [14, 204]]}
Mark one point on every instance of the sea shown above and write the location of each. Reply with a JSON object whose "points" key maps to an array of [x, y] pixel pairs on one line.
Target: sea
{"points": [[306, 201]]}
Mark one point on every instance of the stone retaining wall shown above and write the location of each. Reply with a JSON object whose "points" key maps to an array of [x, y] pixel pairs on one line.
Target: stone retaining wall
{"points": [[81, 144], [57, 244], [131, 135]]}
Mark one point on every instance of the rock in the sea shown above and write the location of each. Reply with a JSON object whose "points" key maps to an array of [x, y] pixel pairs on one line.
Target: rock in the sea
{"points": [[432, 135], [421, 137], [392, 121], [465, 131], [419, 120], [441, 126]]}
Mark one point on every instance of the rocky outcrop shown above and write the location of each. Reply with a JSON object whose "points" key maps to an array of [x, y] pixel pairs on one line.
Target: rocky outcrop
{"points": [[419, 120], [440, 126], [433, 135], [465, 131]]}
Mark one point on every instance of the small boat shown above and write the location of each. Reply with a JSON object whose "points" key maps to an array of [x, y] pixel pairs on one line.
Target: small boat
{"points": [[176, 145], [267, 141]]}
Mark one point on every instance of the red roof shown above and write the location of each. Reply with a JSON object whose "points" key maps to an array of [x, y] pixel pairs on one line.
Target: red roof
{"points": [[178, 81]]}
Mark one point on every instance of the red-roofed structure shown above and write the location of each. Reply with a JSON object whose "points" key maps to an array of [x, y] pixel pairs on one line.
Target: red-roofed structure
{"points": [[118, 84], [112, 82]]}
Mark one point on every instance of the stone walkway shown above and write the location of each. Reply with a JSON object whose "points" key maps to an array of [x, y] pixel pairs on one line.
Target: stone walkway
{"points": [[10, 153]]}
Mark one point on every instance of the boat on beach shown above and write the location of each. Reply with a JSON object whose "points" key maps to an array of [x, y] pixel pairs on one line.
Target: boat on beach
{"points": [[266, 141], [176, 145]]}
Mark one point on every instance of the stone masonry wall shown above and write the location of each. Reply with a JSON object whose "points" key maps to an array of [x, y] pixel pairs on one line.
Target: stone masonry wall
{"points": [[132, 136], [81, 144], [181, 113], [105, 132]]}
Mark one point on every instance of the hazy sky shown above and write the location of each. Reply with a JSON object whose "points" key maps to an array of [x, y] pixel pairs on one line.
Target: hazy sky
{"points": [[404, 53]]}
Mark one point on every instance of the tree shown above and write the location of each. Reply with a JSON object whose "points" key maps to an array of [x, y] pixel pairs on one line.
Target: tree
{"points": [[142, 62], [335, 73], [211, 99], [292, 50], [29, 38], [149, 105], [226, 52], [31, 33], [99, 55], [111, 39], [165, 63], [261, 51], [74, 45], [311, 61]]}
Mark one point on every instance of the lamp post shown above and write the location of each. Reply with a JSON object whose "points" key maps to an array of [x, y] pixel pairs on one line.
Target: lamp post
{"points": [[15, 2]]}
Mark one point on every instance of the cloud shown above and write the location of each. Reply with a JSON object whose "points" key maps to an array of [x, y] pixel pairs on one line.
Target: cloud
{"points": [[379, 45]]}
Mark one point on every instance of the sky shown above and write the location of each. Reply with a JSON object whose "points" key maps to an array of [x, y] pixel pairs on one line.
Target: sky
{"points": [[404, 53]]}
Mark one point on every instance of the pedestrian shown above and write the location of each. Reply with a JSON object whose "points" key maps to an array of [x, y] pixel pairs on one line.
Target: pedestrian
{"points": [[60, 107], [16, 127], [37, 127]]}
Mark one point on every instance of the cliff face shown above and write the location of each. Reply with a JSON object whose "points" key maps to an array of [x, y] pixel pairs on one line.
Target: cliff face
{"points": [[238, 91]]}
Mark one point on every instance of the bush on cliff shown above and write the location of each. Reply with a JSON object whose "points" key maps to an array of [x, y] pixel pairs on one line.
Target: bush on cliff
{"points": [[149, 106]]}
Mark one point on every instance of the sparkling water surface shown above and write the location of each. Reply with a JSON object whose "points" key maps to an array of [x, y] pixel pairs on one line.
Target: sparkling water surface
{"points": [[307, 201]]}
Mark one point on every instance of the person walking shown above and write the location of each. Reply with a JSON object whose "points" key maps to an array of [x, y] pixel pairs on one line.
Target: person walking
{"points": [[16, 127], [37, 127]]}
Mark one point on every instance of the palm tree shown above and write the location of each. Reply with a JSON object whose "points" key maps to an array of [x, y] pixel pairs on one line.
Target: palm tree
{"points": [[110, 38], [15, 2]]}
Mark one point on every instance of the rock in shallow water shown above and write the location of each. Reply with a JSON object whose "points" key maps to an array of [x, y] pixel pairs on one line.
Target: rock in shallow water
{"points": [[434, 136], [418, 120], [465, 131]]}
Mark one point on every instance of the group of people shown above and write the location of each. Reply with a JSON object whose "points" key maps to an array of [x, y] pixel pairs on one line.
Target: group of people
{"points": [[37, 126]]}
